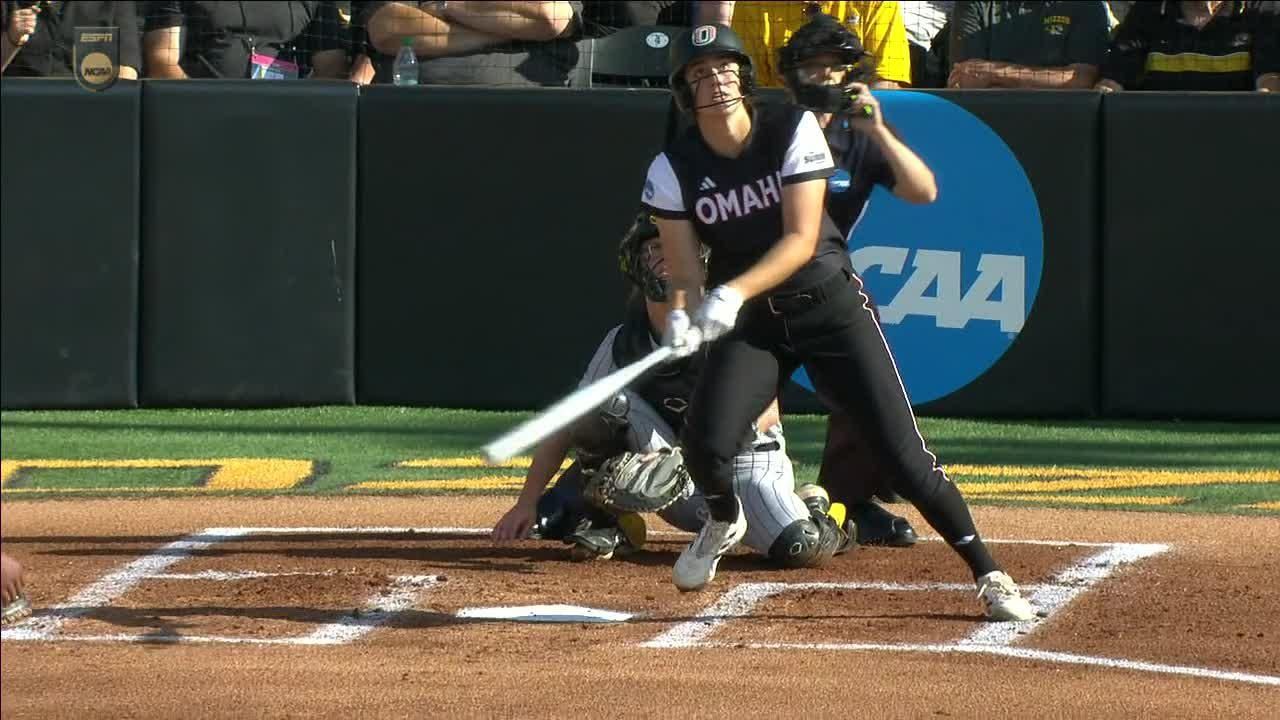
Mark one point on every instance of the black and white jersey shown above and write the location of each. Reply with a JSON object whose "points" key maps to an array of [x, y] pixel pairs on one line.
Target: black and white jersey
{"points": [[667, 389], [735, 204]]}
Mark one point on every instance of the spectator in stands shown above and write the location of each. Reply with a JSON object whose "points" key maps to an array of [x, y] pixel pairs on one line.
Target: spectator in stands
{"points": [[1035, 45], [927, 33], [359, 55], [1196, 46], [603, 17], [263, 40], [479, 43], [39, 38], [766, 26], [1116, 12]]}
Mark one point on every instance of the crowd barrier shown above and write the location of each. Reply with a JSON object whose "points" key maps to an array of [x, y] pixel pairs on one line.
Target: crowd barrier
{"points": [[231, 244]]}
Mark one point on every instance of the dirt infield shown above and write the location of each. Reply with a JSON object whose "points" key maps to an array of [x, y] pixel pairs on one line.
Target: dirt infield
{"points": [[328, 607]]}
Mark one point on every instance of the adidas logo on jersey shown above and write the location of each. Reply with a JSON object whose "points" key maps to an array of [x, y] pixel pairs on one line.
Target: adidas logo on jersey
{"points": [[707, 184], [738, 202]]}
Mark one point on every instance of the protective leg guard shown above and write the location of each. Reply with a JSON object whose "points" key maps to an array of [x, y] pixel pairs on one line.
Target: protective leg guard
{"points": [[809, 542]]}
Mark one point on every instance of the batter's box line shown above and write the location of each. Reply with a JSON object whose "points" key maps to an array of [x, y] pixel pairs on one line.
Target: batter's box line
{"points": [[992, 639], [1050, 598], [402, 594], [1019, 653]]}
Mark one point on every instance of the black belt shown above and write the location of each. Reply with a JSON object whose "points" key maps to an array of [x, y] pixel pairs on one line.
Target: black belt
{"points": [[767, 447], [788, 303]]}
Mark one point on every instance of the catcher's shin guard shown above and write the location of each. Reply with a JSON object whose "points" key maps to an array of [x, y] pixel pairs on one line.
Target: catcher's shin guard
{"points": [[810, 542]]}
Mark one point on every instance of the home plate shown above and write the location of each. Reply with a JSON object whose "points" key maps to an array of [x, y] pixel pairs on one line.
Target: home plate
{"points": [[545, 613]]}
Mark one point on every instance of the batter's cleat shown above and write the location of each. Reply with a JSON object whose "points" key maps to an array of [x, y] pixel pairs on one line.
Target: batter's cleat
{"points": [[878, 526], [815, 498], [1001, 600], [696, 566]]}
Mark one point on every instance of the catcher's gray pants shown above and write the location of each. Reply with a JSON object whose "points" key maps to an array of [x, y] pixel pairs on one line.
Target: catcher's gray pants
{"points": [[763, 479]]}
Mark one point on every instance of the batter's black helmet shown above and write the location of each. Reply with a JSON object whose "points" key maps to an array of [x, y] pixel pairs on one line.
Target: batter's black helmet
{"points": [[823, 35], [705, 41]]}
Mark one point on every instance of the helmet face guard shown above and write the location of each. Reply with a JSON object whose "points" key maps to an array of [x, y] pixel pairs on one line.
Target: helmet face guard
{"points": [[635, 258], [708, 41], [823, 35], [638, 258]]}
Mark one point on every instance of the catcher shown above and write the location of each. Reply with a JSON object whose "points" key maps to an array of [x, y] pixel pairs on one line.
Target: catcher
{"points": [[628, 465]]}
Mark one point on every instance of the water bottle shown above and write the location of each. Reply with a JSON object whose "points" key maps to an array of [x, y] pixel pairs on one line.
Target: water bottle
{"points": [[405, 71]]}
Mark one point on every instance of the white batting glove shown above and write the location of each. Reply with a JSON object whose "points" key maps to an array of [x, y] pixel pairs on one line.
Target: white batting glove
{"points": [[718, 312], [681, 335]]}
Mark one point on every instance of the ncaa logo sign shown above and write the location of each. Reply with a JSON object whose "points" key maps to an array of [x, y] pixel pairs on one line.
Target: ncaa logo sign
{"points": [[955, 280]]}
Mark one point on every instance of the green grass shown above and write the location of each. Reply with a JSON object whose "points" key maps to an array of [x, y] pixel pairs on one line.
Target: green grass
{"points": [[361, 443], [107, 478]]}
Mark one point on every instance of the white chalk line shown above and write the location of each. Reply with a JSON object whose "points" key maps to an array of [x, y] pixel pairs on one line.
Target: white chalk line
{"points": [[371, 530], [478, 531], [229, 576], [48, 624], [402, 594], [1016, 652], [399, 596], [1063, 588], [406, 589], [991, 638]]}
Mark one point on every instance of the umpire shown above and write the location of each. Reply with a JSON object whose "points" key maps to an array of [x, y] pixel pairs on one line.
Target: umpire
{"points": [[824, 68]]}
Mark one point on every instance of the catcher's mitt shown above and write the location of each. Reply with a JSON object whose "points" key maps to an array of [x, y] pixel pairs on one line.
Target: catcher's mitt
{"points": [[631, 482]]}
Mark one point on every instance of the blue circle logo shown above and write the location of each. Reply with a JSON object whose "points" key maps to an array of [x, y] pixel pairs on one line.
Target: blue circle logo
{"points": [[954, 280]]}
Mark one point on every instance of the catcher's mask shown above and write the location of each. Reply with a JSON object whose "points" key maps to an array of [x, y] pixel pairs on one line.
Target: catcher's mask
{"points": [[640, 258], [798, 58], [708, 41]]}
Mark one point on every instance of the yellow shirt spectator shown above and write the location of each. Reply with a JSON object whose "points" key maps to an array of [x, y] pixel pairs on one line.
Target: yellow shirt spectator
{"points": [[766, 26]]}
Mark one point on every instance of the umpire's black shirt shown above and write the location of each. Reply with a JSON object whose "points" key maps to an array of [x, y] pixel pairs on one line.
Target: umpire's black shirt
{"points": [[219, 37]]}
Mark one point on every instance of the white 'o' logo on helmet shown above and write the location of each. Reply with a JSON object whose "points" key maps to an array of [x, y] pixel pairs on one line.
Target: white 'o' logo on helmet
{"points": [[704, 35]]}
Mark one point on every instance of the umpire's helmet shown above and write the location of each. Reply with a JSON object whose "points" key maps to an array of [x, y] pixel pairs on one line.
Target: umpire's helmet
{"points": [[636, 257], [704, 41], [823, 35]]}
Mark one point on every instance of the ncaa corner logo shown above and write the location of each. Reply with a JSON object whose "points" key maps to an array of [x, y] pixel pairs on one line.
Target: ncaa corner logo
{"points": [[955, 280]]}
